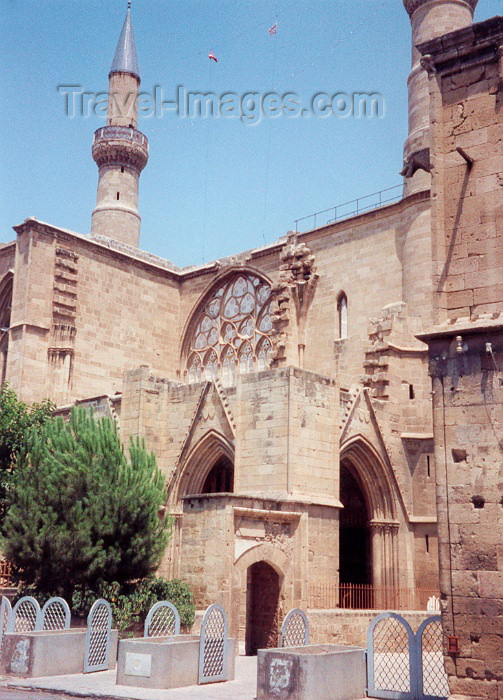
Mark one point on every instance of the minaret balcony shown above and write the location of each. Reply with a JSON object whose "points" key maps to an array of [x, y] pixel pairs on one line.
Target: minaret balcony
{"points": [[120, 145]]}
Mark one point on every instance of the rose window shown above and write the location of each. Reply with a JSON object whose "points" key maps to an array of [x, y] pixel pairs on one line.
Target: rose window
{"points": [[232, 332]]}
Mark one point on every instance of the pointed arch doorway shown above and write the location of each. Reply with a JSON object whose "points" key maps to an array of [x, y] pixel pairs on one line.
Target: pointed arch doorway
{"points": [[262, 607], [355, 559], [368, 555]]}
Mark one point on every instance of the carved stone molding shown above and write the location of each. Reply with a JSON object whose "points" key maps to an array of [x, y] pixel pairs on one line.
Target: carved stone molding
{"points": [[295, 287]]}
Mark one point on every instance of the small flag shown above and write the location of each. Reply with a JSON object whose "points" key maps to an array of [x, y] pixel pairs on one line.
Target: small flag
{"points": [[273, 30], [212, 57]]}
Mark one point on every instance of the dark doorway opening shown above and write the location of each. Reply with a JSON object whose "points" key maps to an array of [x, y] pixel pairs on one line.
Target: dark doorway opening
{"points": [[354, 532], [221, 477], [262, 602]]}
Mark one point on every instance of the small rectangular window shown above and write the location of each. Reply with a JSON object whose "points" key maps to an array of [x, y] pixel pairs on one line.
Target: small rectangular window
{"points": [[118, 196]]}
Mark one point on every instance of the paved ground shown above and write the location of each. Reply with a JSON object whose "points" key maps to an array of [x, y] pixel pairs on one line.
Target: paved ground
{"points": [[102, 685], [10, 694]]}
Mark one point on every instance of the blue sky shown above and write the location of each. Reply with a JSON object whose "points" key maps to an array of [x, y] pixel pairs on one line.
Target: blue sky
{"points": [[212, 187]]}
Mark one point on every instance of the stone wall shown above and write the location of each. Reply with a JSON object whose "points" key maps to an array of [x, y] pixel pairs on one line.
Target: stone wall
{"points": [[119, 312], [466, 349], [350, 626], [287, 423]]}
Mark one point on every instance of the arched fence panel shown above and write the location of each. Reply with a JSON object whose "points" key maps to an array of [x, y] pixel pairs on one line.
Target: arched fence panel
{"points": [[5, 614], [55, 615], [390, 644], [163, 620], [213, 646], [99, 629], [402, 665], [295, 629], [25, 615], [433, 678]]}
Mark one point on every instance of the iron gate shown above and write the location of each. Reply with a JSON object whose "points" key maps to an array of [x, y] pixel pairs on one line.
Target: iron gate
{"points": [[213, 646], [162, 620], [99, 627], [295, 629], [403, 665]]}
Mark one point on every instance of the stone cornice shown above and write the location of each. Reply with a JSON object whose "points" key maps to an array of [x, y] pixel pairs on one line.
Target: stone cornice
{"points": [[412, 5], [104, 245], [485, 323], [473, 45]]}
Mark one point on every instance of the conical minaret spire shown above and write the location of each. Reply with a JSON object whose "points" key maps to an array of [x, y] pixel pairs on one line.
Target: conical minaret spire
{"points": [[119, 149], [126, 58]]}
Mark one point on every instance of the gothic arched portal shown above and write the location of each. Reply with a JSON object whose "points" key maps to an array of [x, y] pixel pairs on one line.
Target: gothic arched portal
{"points": [[368, 524], [209, 467], [355, 561]]}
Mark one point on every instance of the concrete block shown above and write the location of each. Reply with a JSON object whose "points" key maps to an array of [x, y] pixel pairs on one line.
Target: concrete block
{"points": [[48, 652], [322, 671], [164, 662]]}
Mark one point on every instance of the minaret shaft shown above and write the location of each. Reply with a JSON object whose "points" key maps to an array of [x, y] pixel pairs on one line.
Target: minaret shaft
{"points": [[123, 100], [429, 19], [119, 149]]}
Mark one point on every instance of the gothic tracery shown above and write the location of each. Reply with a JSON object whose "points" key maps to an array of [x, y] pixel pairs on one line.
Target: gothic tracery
{"points": [[232, 331]]}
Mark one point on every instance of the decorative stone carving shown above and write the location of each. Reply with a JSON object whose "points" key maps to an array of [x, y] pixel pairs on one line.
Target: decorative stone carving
{"points": [[296, 284], [279, 535]]}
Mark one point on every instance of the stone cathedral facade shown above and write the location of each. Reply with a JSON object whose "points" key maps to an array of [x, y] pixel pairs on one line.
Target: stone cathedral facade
{"points": [[286, 391]]}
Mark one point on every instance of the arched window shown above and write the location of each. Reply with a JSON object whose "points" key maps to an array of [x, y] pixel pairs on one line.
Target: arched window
{"points": [[5, 309], [221, 477], [231, 332], [342, 315]]}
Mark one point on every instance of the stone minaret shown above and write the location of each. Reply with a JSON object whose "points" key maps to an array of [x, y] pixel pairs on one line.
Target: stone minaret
{"points": [[119, 149], [429, 19]]}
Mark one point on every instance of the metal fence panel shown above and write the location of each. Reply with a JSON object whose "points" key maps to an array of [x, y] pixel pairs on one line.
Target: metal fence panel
{"points": [[163, 620], [5, 614], [295, 629], [99, 628], [25, 615], [390, 644], [55, 615], [213, 646], [431, 672]]}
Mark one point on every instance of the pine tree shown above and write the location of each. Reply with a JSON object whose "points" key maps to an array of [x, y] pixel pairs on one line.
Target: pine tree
{"points": [[16, 417], [79, 511]]}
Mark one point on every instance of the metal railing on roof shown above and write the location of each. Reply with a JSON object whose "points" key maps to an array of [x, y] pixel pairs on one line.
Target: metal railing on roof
{"points": [[349, 209]]}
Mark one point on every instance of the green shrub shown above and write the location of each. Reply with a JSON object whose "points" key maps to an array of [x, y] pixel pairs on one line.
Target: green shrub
{"points": [[178, 593], [130, 603]]}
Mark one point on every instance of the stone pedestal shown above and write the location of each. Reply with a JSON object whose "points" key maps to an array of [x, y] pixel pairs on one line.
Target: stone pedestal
{"points": [[164, 662], [322, 671], [48, 653]]}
